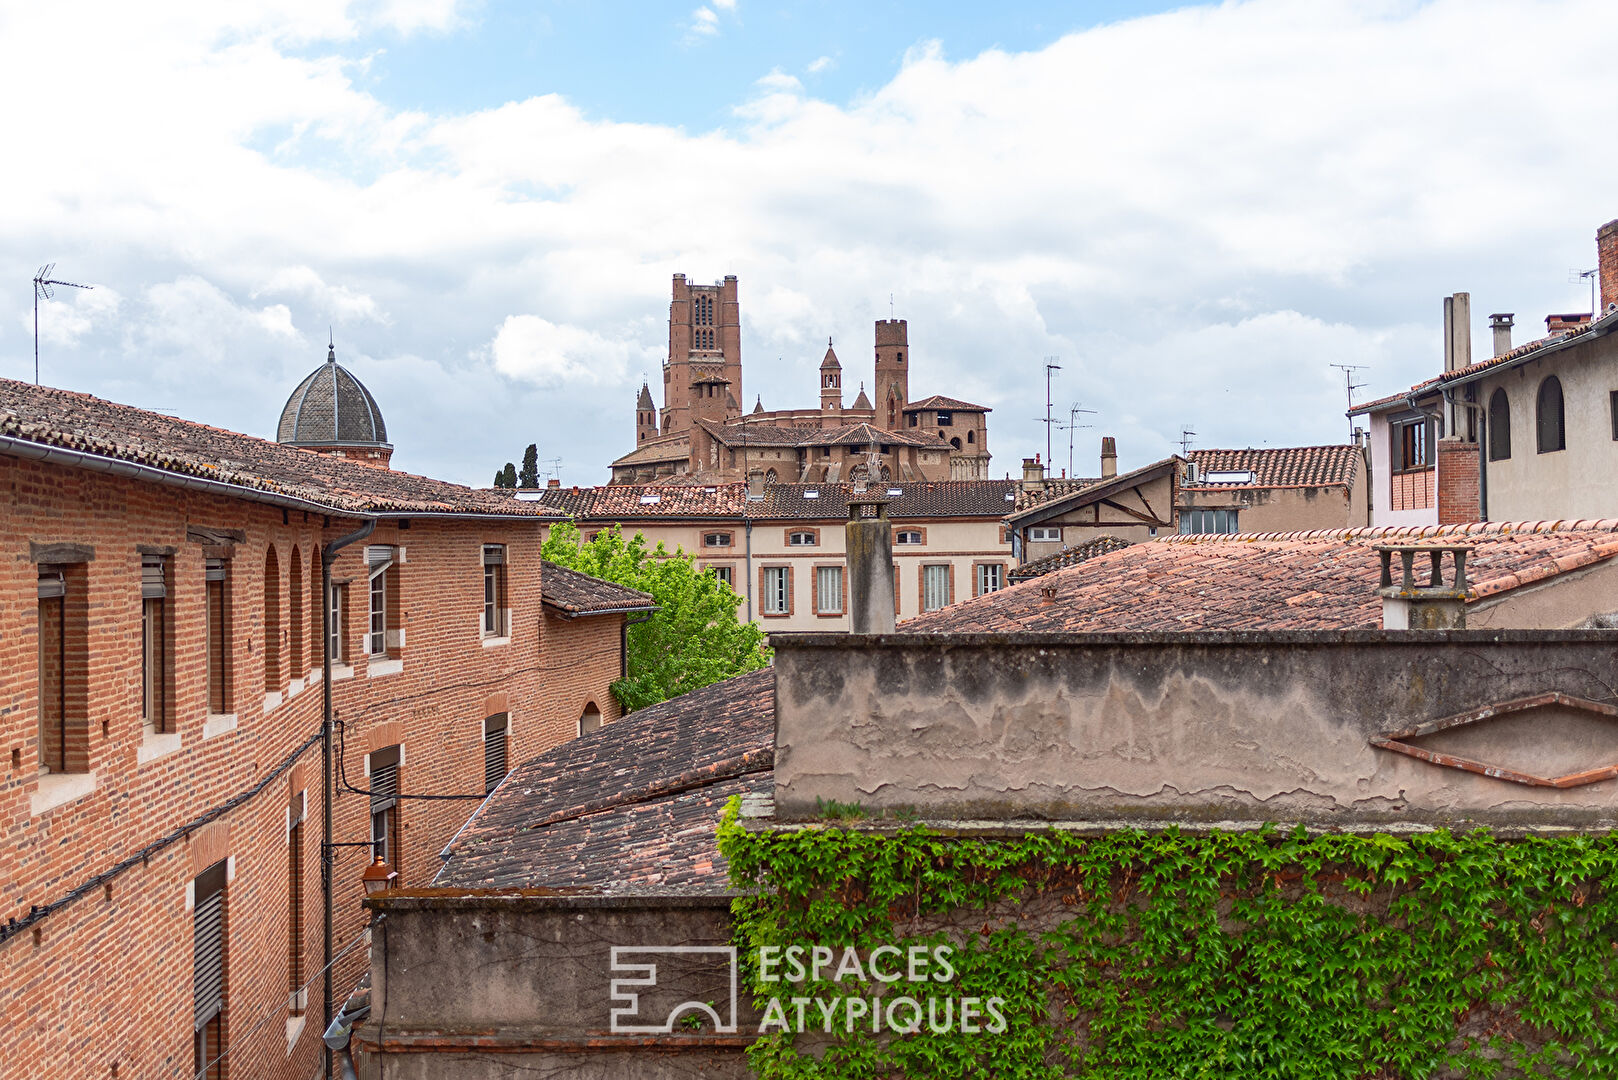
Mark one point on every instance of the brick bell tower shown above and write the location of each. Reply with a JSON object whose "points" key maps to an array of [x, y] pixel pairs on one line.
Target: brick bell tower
{"points": [[705, 327], [892, 373]]}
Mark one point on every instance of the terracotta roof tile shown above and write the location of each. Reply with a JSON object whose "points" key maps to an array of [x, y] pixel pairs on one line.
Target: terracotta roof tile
{"points": [[1319, 580], [1068, 556], [580, 594], [1286, 466], [780, 502], [48, 417], [939, 401]]}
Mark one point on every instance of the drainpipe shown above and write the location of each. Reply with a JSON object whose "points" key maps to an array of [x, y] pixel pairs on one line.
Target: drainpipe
{"points": [[748, 563], [328, 555]]}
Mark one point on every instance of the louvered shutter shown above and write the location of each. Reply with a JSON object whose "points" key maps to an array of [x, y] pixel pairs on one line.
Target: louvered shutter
{"points": [[52, 585], [152, 583], [494, 751], [384, 785], [208, 946]]}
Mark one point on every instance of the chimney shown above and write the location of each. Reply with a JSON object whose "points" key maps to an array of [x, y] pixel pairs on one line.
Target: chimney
{"points": [[1501, 325], [1033, 474], [1457, 331], [1607, 262], [1413, 591], [755, 486], [553, 482], [1561, 324], [869, 542], [1109, 457]]}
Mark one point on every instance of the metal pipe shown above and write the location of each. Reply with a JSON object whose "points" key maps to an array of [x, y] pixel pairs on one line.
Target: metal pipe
{"points": [[328, 555]]}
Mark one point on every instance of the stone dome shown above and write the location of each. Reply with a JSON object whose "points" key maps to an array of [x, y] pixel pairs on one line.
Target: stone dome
{"points": [[332, 410]]}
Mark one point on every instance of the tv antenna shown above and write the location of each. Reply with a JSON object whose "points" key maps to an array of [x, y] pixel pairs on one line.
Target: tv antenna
{"points": [[1051, 366], [1071, 426], [1350, 385], [43, 283], [1186, 435], [1575, 277], [555, 469]]}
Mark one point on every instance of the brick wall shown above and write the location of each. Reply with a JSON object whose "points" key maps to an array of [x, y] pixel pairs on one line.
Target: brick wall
{"points": [[1607, 252], [106, 978], [1458, 482]]}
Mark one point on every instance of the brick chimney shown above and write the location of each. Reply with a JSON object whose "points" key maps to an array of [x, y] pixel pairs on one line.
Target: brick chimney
{"points": [[1501, 325], [1109, 457], [869, 541], [1561, 324], [1607, 260], [1033, 474]]}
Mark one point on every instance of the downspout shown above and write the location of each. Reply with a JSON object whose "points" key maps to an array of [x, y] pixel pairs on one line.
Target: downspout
{"points": [[328, 555], [748, 564]]}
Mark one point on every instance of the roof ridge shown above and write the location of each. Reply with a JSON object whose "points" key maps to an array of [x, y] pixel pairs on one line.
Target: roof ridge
{"points": [[1418, 532]]}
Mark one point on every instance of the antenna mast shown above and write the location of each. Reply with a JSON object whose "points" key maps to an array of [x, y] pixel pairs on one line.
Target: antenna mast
{"points": [[1350, 385], [1051, 366], [1186, 435], [42, 287], [1070, 427], [1574, 277]]}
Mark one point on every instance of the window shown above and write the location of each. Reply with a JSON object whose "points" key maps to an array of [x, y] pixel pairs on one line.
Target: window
{"points": [[154, 667], [494, 750], [935, 587], [802, 539], [1549, 426], [590, 719], [295, 614], [1412, 443], [716, 539], [208, 990], [272, 622], [971, 436], [776, 590], [384, 788], [1208, 521], [1045, 534], [379, 564], [496, 621], [1500, 426], [828, 590], [914, 419], [724, 573], [946, 419], [991, 577], [295, 815], [907, 536], [337, 622], [216, 596], [1612, 404]]}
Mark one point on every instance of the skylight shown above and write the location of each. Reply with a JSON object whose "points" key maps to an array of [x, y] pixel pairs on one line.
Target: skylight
{"points": [[647, 500], [895, 491], [1228, 476], [811, 493]]}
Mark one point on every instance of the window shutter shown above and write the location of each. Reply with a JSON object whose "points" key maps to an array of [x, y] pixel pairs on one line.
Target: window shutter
{"points": [[384, 785], [494, 751], [215, 570], [152, 583], [378, 557], [494, 554], [208, 946], [52, 586]]}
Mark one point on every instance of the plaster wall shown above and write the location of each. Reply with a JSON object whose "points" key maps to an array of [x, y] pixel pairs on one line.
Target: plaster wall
{"points": [[1285, 509], [1382, 512], [1189, 728]]}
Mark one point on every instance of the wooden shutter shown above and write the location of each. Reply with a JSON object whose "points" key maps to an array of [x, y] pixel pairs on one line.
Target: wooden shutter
{"points": [[152, 583], [384, 785], [494, 751], [208, 946]]}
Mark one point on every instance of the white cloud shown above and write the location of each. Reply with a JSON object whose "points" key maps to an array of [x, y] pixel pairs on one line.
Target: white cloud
{"points": [[819, 64], [1197, 210], [725, 5], [704, 23], [539, 351]]}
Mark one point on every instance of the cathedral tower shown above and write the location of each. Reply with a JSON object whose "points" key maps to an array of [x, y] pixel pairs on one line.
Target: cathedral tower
{"points": [[645, 415], [892, 373], [831, 382], [704, 328]]}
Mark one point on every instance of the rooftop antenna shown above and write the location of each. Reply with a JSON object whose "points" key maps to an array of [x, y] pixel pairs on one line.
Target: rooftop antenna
{"points": [[42, 288], [1071, 426], [1350, 385], [1574, 277], [1051, 365], [1186, 435], [555, 469]]}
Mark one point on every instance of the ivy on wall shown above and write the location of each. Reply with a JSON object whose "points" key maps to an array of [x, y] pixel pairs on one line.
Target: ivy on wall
{"points": [[1146, 955]]}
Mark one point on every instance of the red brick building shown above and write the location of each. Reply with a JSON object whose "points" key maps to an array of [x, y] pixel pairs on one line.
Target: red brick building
{"points": [[161, 654]]}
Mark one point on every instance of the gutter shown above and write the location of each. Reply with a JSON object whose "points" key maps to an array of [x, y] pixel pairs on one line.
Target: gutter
{"points": [[565, 614]]}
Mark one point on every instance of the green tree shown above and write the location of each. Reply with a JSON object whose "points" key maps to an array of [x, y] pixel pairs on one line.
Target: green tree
{"points": [[529, 477], [506, 477], [693, 639]]}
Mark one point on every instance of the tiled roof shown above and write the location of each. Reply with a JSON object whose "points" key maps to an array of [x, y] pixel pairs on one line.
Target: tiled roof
{"points": [[47, 417], [1068, 556], [939, 401], [1287, 466], [663, 448], [1322, 580], [638, 502], [574, 593], [1426, 386], [1082, 494], [739, 435], [1052, 489], [631, 807]]}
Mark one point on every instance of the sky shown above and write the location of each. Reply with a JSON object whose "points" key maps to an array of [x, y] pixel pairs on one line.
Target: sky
{"points": [[1198, 210]]}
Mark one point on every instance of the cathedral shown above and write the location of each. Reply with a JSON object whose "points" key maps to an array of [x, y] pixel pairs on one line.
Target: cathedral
{"points": [[701, 434]]}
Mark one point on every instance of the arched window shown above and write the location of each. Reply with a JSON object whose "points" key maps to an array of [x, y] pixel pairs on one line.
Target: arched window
{"points": [[272, 622], [1499, 426], [317, 609], [295, 602], [971, 436], [956, 442], [590, 720], [1551, 430], [770, 477]]}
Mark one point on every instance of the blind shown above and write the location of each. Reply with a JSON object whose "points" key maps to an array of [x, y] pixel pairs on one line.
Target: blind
{"points": [[935, 587], [378, 557], [153, 584], [51, 585], [208, 946], [494, 554], [494, 751], [384, 785], [775, 590], [214, 570], [829, 589]]}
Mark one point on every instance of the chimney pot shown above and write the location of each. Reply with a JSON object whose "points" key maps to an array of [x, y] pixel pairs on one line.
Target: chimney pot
{"points": [[1033, 474], [1457, 331], [1109, 457], [1501, 325]]}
